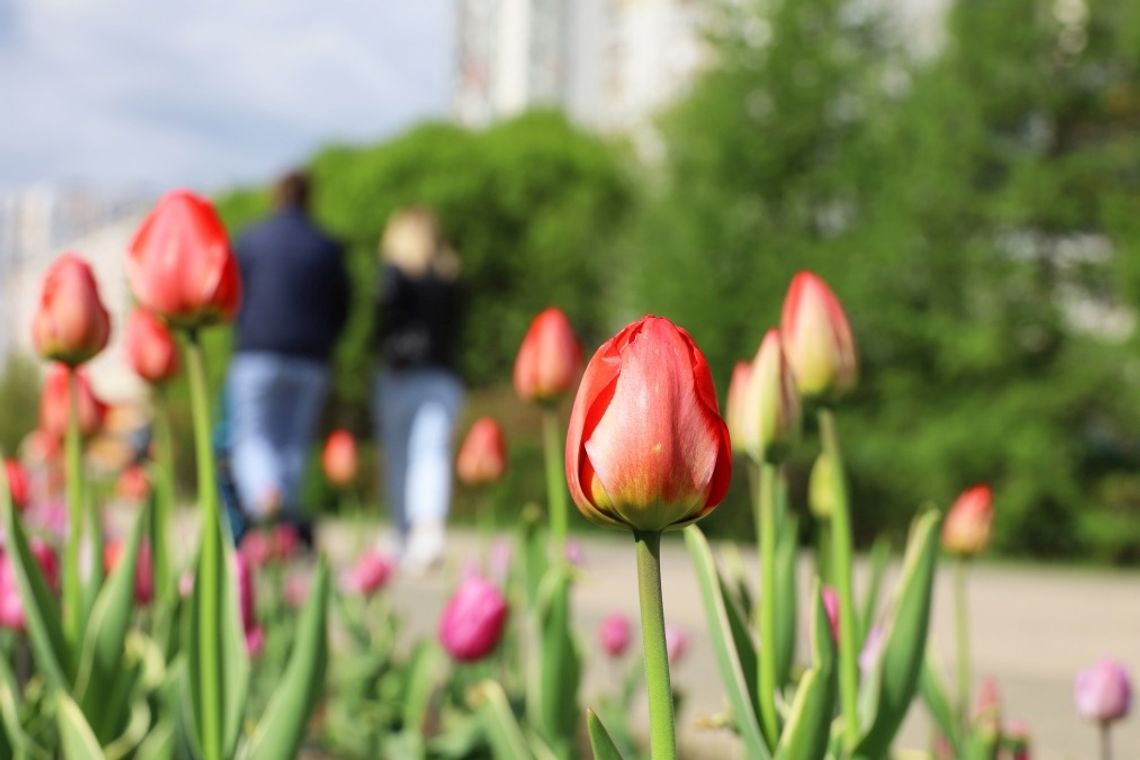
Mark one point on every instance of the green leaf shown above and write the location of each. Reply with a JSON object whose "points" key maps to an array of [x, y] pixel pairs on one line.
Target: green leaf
{"points": [[880, 555], [499, 722], [159, 743], [806, 733], [421, 682], [727, 658], [600, 741], [280, 731], [79, 742], [745, 645], [894, 681], [787, 614], [14, 741], [101, 656], [559, 663], [938, 704], [45, 630]]}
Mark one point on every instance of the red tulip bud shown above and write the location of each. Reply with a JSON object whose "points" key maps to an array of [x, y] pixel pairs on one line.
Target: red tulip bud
{"points": [[17, 483], [771, 404], [646, 447], [549, 359], [817, 339], [71, 324], [831, 608], [55, 406], [615, 634], [472, 622], [370, 574], [734, 410], [180, 265], [150, 347], [483, 456], [339, 458], [966, 530]]}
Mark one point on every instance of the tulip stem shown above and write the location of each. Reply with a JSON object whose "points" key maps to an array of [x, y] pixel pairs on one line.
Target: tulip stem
{"points": [[841, 543], [662, 735], [72, 590], [555, 491], [766, 527], [208, 583], [962, 629], [163, 499], [1105, 740]]}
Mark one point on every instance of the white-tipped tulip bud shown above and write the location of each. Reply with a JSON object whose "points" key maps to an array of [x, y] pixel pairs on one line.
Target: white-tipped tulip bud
{"points": [[817, 338], [771, 406], [734, 406]]}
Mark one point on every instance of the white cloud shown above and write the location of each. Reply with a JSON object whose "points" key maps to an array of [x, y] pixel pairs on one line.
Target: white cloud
{"points": [[133, 91]]}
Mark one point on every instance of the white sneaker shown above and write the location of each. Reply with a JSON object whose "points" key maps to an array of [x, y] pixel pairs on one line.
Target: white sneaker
{"points": [[424, 549]]}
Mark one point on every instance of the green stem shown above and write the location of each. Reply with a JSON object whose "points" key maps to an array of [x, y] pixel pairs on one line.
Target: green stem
{"points": [[72, 588], [1105, 740], [841, 543], [662, 734], [163, 499], [962, 629], [555, 478], [210, 557], [766, 539]]}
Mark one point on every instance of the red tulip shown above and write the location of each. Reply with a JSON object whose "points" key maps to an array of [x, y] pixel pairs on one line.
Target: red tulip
{"points": [[966, 531], [771, 404], [71, 324], [17, 483], [180, 265], [734, 405], [615, 634], [549, 359], [339, 458], [144, 568], [133, 484], [646, 447], [817, 339], [483, 456], [55, 405], [473, 620], [150, 347], [254, 633], [370, 574]]}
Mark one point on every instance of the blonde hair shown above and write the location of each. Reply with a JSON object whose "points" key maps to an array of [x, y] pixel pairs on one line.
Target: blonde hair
{"points": [[413, 243]]}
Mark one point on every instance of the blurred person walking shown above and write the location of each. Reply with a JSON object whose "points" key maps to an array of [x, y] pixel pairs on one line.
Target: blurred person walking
{"points": [[417, 393], [294, 306]]}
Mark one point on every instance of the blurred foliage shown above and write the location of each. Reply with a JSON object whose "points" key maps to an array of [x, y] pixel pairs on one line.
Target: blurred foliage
{"points": [[20, 400]]}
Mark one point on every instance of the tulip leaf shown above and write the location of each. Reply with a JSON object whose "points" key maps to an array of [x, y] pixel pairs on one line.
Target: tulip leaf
{"points": [[421, 682], [159, 744], [79, 742], [806, 733], [102, 650], [280, 731], [938, 703], [500, 724], [600, 741], [787, 614], [727, 658], [14, 740], [559, 662], [880, 555], [45, 629], [745, 644], [894, 680]]}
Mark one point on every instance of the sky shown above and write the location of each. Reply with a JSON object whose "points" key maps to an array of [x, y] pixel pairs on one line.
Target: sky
{"points": [[209, 93]]}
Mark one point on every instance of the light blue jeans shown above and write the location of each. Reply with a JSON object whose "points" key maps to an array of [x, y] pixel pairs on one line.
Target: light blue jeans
{"points": [[275, 401], [415, 413]]}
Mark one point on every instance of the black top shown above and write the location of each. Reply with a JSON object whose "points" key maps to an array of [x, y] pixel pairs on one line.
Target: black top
{"points": [[295, 292], [418, 320]]}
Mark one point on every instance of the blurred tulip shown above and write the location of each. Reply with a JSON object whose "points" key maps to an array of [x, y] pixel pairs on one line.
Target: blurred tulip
{"points": [[71, 324], [17, 483], [151, 350], [286, 539], [296, 590], [254, 637], [473, 620], [1103, 693], [144, 568], [483, 456], [549, 359], [185, 584], [339, 458], [615, 634], [254, 641], [11, 603], [575, 554], [499, 559], [817, 339], [646, 446], [133, 484], [370, 574], [872, 650], [257, 548], [54, 404], [770, 423], [831, 607], [676, 643], [966, 530], [180, 265], [734, 405], [48, 562], [987, 707], [1017, 740], [822, 487]]}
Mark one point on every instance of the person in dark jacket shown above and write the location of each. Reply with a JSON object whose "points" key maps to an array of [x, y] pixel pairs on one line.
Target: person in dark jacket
{"points": [[294, 305], [418, 393]]}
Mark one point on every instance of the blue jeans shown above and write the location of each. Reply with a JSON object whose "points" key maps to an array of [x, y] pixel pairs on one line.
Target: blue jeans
{"points": [[275, 401], [416, 412]]}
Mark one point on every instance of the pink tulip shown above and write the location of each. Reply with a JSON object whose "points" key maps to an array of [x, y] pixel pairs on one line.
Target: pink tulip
{"points": [[549, 359], [11, 603], [615, 634], [254, 641], [286, 539], [1103, 693], [872, 650], [339, 459], [473, 620], [575, 554], [499, 559], [831, 607], [817, 339], [676, 643], [296, 590], [151, 350], [257, 547], [482, 458], [968, 524], [370, 574], [71, 324]]}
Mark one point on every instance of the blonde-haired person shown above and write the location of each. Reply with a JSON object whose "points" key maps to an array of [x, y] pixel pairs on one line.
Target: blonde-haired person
{"points": [[418, 393]]}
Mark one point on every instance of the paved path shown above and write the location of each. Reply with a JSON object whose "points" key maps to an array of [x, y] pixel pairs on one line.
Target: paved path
{"points": [[1033, 628]]}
